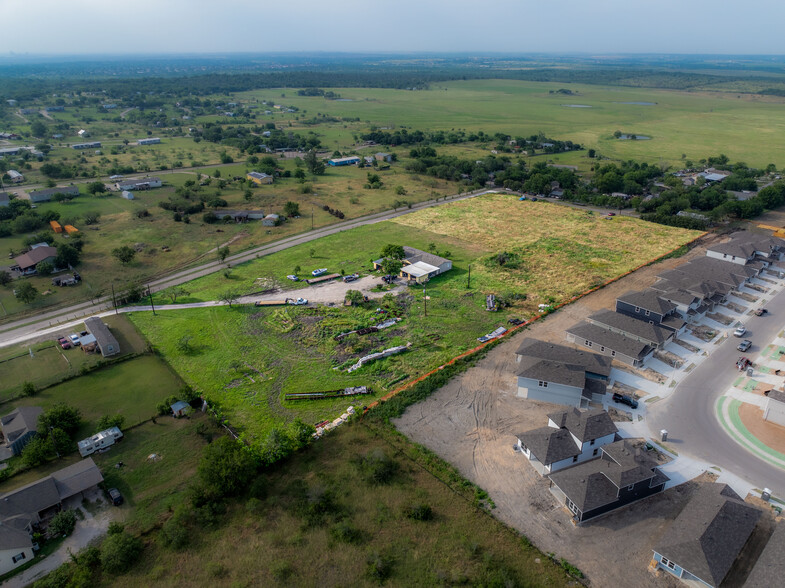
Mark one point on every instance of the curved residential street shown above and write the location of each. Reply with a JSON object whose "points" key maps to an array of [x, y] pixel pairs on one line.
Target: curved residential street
{"points": [[689, 414]]}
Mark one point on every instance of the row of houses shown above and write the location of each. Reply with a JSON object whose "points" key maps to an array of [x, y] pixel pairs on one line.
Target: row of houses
{"points": [[646, 321], [592, 472]]}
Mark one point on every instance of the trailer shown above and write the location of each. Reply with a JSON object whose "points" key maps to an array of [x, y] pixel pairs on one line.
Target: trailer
{"points": [[100, 441], [351, 391], [327, 278]]}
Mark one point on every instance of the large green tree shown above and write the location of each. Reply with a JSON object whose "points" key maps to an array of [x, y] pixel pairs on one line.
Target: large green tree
{"points": [[25, 292], [227, 466], [125, 254]]}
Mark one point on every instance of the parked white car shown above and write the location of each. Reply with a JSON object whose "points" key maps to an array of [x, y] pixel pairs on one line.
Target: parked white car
{"points": [[74, 339], [299, 301], [740, 331], [319, 272], [293, 278]]}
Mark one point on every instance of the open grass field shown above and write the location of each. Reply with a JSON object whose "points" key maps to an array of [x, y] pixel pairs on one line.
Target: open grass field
{"points": [[45, 363], [745, 127], [354, 522], [246, 358]]}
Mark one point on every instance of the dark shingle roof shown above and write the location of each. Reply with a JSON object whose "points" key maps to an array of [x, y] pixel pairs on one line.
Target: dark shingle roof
{"points": [[613, 341], [631, 326], [77, 478], [777, 395], [20, 421], [596, 483], [12, 538], [552, 371], [550, 445], [596, 364], [710, 532], [769, 570], [635, 464], [585, 425], [414, 255], [102, 334], [648, 300]]}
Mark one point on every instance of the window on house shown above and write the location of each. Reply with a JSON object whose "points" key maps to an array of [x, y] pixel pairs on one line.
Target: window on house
{"points": [[667, 563], [613, 353], [588, 343], [724, 255], [602, 348], [18, 557], [592, 442], [647, 313], [630, 487], [574, 459], [542, 384], [571, 505], [595, 452]]}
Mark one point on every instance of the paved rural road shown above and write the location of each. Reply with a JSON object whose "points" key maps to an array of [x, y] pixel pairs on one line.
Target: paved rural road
{"points": [[28, 327], [689, 414]]}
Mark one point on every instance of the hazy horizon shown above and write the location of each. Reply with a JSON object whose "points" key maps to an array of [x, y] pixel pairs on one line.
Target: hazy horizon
{"points": [[197, 27]]}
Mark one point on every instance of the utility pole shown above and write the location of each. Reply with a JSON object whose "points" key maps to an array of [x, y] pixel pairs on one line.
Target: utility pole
{"points": [[114, 300], [425, 300], [469, 279], [150, 294], [312, 217]]}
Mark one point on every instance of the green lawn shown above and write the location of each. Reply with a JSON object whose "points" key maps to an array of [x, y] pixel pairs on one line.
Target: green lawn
{"points": [[46, 363], [131, 388]]}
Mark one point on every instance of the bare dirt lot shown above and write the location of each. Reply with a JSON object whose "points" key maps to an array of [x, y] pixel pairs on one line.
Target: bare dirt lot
{"points": [[472, 421], [770, 434]]}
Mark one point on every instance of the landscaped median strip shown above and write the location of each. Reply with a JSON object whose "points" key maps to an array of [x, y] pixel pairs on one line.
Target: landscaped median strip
{"points": [[728, 415], [527, 323]]}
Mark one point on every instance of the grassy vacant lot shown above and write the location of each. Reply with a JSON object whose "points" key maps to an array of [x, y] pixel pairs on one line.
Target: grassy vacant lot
{"points": [[247, 358], [49, 364], [354, 529]]}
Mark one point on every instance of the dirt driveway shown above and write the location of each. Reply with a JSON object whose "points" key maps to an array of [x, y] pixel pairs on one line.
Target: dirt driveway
{"points": [[330, 292], [472, 422]]}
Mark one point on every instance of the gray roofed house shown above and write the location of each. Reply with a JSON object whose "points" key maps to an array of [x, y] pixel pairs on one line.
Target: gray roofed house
{"points": [[552, 371], [46, 194], [594, 364], [744, 248], [571, 437], [707, 537], [19, 427], [624, 474], [584, 425], [649, 333], [77, 478], [419, 265], [558, 374], [769, 570], [107, 344], [609, 343], [649, 300]]}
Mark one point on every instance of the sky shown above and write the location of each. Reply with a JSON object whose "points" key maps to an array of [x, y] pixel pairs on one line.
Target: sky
{"points": [[372, 26]]}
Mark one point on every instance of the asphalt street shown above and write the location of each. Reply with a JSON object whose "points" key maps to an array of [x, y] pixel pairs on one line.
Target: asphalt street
{"points": [[29, 326], [689, 414]]}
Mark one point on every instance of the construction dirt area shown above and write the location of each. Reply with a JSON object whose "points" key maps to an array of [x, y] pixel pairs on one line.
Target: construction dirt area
{"points": [[472, 423], [770, 434]]}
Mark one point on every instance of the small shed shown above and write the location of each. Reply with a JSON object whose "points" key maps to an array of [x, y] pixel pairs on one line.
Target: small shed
{"points": [[271, 220], [180, 408]]}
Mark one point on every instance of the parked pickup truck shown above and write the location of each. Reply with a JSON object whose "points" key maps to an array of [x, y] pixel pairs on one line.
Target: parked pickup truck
{"points": [[319, 272], [351, 277], [298, 302]]}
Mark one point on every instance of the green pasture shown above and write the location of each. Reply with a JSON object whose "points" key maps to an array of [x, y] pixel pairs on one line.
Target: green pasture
{"points": [[698, 124]]}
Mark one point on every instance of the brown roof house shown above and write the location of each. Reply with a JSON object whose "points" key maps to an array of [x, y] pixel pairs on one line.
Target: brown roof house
{"points": [[702, 543], [27, 261]]}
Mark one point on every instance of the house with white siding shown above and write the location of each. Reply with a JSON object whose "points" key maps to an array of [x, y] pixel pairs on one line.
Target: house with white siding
{"points": [[571, 437]]}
